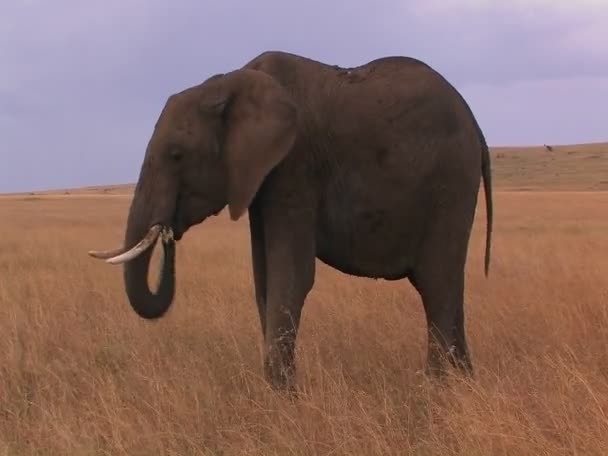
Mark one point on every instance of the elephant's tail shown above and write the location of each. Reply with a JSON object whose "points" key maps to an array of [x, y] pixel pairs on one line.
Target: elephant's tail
{"points": [[487, 179], [486, 174]]}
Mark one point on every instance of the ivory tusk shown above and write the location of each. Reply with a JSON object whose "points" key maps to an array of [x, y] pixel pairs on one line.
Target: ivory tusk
{"points": [[142, 246], [105, 254]]}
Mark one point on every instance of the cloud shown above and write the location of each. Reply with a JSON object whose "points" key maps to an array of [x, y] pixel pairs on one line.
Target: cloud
{"points": [[485, 41], [82, 83], [521, 5], [557, 111]]}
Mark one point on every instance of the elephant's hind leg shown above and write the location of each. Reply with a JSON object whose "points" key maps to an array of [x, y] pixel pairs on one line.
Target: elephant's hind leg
{"points": [[443, 301], [439, 278]]}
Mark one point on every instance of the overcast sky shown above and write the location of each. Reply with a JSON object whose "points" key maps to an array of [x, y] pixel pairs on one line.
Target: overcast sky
{"points": [[83, 82]]}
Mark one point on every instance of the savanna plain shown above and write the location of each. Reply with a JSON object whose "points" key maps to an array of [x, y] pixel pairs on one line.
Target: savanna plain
{"points": [[81, 374]]}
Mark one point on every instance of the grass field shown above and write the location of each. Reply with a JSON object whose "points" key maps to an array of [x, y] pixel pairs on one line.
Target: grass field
{"points": [[81, 374]]}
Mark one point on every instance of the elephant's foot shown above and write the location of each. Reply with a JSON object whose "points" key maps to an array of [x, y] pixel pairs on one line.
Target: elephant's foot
{"points": [[461, 360], [440, 360], [280, 369], [281, 379]]}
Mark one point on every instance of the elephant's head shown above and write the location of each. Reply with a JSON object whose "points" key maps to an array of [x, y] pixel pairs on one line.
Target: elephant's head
{"points": [[212, 146]]}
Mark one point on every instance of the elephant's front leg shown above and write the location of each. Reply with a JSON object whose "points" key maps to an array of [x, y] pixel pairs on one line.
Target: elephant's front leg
{"points": [[258, 257], [290, 261]]}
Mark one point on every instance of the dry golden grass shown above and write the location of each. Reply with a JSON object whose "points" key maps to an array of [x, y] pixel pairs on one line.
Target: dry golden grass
{"points": [[567, 167], [81, 374]]}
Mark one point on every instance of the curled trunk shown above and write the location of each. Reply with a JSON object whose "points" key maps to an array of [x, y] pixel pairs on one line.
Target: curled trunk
{"points": [[142, 216], [145, 303]]}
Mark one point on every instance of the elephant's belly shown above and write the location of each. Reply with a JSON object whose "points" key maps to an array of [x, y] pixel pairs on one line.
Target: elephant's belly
{"points": [[371, 216], [370, 240]]}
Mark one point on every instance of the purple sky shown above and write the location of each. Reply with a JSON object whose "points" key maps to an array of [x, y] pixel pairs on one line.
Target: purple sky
{"points": [[82, 83]]}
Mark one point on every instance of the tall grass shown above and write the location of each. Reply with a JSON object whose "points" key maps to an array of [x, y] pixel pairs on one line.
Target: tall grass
{"points": [[81, 374]]}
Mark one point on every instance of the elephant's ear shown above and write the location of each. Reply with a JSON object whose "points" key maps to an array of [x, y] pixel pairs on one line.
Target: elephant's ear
{"points": [[260, 129]]}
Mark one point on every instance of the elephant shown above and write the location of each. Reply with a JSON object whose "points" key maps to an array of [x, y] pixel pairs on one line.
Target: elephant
{"points": [[374, 170]]}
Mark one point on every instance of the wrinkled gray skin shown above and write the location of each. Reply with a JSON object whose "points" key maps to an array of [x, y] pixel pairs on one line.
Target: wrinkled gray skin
{"points": [[374, 170]]}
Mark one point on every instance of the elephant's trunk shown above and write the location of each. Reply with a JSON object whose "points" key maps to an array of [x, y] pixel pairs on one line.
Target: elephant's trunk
{"points": [[144, 302]]}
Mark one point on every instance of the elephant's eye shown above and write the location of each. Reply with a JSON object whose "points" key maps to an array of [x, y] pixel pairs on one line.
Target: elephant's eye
{"points": [[175, 153]]}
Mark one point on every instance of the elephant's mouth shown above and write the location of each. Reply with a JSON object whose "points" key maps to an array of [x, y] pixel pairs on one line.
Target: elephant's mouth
{"points": [[191, 212], [177, 234]]}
